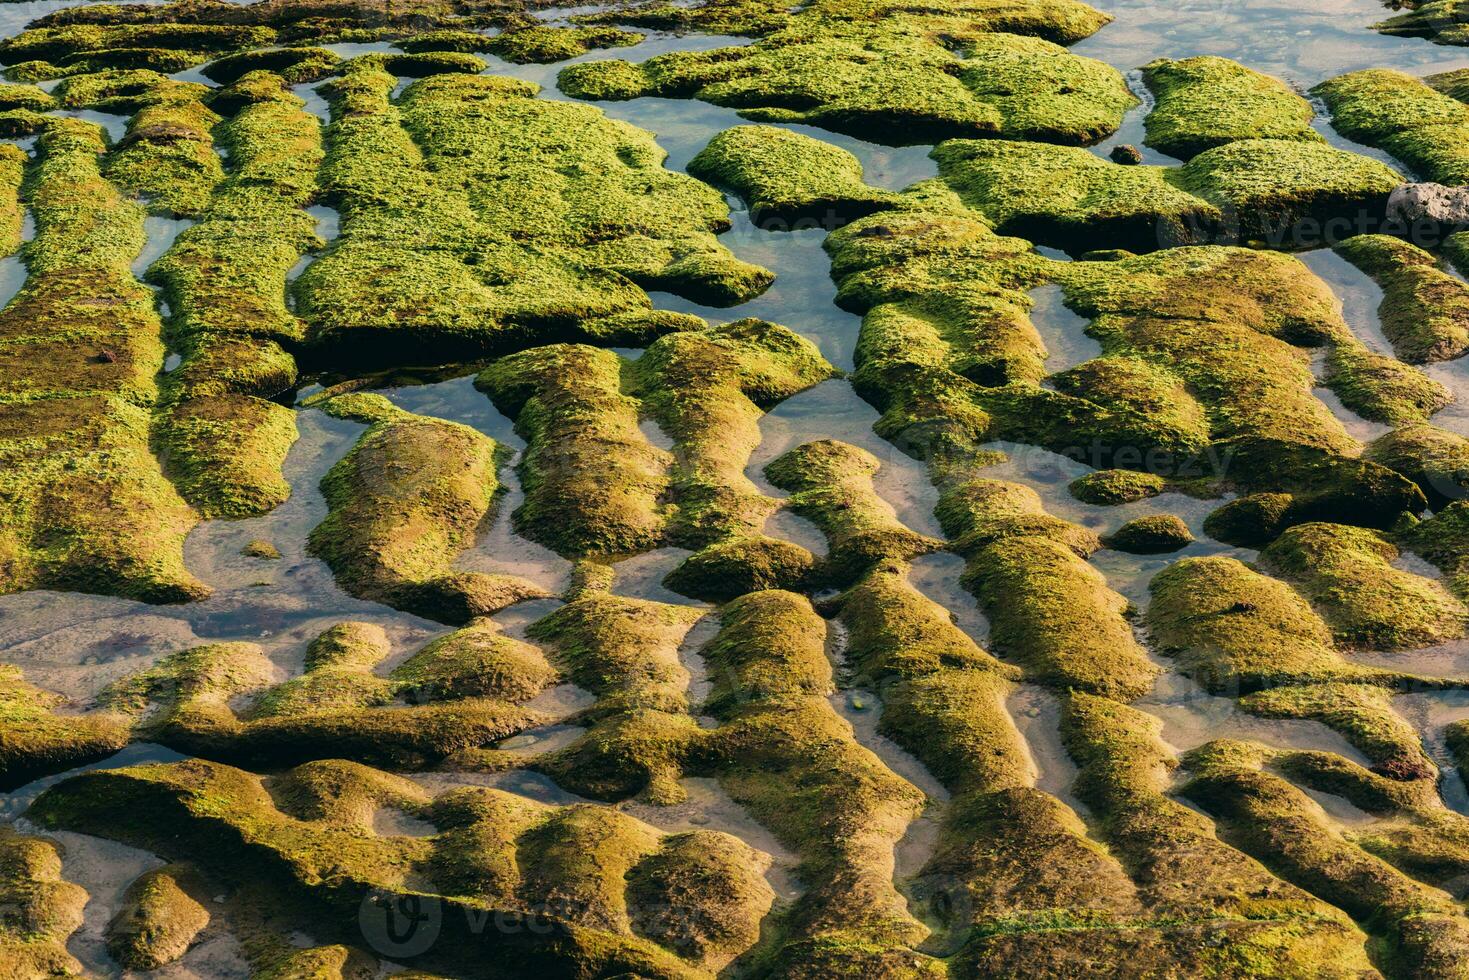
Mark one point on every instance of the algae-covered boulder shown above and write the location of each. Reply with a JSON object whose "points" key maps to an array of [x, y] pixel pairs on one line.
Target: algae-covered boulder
{"points": [[1401, 114], [157, 922], [1111, 487], [888, 82], [1206, 102], [788, 178], [1155, 534], [403, 503]]}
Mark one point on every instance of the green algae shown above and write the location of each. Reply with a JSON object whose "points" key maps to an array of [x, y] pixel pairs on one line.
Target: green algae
{"points": [[887, 82], [1111, 487], [1424, 310], [1433, 458], [437, 246], [567, 863], [46, 909], [35, 740], [403, 503], [831, 485], [157, 922], [1206, 102], [788, 178], [1404, 116], [707, 390], [1236, 631], [1155, 534], [87, 507], [593, 483], [1348, 575], [1274, 190]]}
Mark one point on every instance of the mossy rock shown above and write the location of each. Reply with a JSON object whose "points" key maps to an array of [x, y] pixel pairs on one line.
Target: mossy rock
{"points": [[1401, 114], [1277, 191], [1348, 575], [513, 277], [789, 179], [1435, 459], [157, 922], [1155, 534], [1205, 102], [1108, 488], [888, 82], [730, 569], [402, 503], [1424, 310]]}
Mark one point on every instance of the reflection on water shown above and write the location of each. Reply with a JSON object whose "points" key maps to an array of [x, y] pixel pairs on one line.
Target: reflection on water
{"points": [[1299, 43]]}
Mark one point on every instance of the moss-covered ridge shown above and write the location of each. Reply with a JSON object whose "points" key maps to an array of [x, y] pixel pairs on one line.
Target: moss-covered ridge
{"points": [[888, 81], [590, 879], [439, 250], [403, 503], [1282, 192], [223, 701], [86, 504]]}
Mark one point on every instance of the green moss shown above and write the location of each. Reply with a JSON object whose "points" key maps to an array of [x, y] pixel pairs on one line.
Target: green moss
{"points": [[1206, 102], [1107, 488], [1382, 388], [544, 44], [1363, 714], [593, 483], [895, 632], [1438, 20], [437, 246], [729, 569], [1244, 190], [45, 909], [1266, 817], [1154, 534], [831, 485], [86, 506], [225, 279], [1435, 459], [65, 44], [977, 512], [1443, 539], [476, 661], [294, 65], [1054, 614], [1348, 575], [574, 869], [707, 390], [1184, 871], [335, 710], [157, 923], [403, 503], [1424, 310], [35, 740], [167, 154], [1234, 630], [888, 82], [421, 64], [788, 178], [1400, 114], [785, 754]]}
